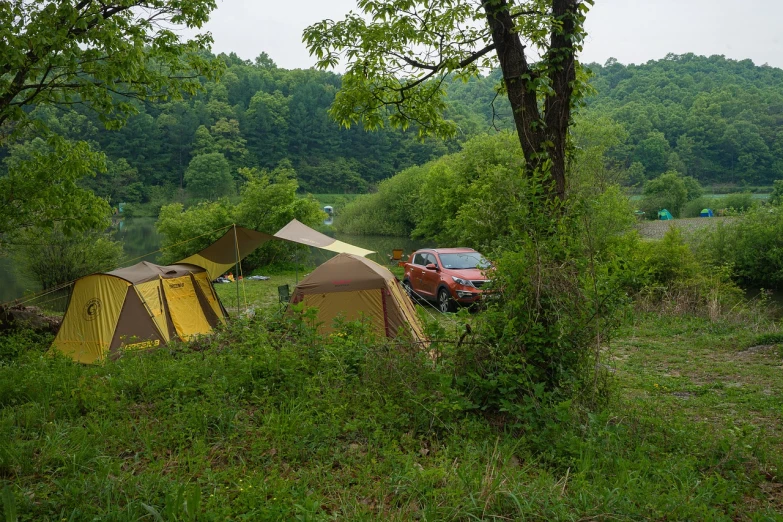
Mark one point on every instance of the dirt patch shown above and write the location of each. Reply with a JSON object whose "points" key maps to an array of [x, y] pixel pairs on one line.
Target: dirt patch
{"points": [[761, 349], [657, 229]]}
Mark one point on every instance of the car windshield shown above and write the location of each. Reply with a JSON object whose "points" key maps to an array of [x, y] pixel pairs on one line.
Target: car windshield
{"points": [[464, 260]]}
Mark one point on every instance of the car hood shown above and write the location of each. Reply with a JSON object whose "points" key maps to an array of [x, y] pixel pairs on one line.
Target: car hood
{"points": [[474, 274]]}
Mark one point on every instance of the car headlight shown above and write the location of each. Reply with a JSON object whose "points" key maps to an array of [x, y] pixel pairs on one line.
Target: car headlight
{"points": [[460, 281]]}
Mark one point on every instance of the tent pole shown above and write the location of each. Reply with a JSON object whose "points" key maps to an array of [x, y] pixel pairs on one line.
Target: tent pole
{"points": [[236, 269]]}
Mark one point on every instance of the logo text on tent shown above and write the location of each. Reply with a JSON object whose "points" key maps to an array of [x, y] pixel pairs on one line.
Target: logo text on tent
{"points": [[342, 282], [176, 285], [92, 309], [142, 345]]}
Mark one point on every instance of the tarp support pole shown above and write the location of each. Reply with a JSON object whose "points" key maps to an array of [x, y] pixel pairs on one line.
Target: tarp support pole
{"points": [[236, 257]]}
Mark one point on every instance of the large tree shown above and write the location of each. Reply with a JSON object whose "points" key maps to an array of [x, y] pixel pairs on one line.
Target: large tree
{"points": [[398, 53], [103, 54]]}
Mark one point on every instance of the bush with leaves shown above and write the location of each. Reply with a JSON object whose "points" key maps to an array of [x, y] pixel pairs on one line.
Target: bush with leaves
{"points": [[556, 296], [751, 244], [776, 197], [473, 197], [671, 191], [268, 201], [391, 211], [52, 257], [209, 177], [694, 207], [737, 202], [672, 278]]}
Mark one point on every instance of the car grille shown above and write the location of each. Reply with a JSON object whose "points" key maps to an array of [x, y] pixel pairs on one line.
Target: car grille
{"points": [[480, 283]]}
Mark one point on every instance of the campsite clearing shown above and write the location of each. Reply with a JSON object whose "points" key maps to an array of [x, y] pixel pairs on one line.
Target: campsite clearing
{"points": [[657, 228]]}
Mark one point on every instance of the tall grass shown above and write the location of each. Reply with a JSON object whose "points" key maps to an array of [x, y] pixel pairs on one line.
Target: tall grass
{"points": [[268, 421]]}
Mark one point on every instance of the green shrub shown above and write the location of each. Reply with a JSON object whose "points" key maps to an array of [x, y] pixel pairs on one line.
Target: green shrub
{"points": [[737, 202], [776, 196], [52, 257], [671, 191], [557, 295], [751, 244], [693, 208], [268, 202], [462, 198], [391, 211], [672, 279], [208, 177], [13, 344]]}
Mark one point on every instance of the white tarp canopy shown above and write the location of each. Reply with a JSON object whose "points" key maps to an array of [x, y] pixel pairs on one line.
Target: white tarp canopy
{"points": [[298, 232]]}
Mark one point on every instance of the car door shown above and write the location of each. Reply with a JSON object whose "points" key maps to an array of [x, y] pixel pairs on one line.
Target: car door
{"points": [[417, 271], [430, 279]]}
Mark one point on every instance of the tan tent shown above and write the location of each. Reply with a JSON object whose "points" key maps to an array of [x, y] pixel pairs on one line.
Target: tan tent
{"points": [[298, 232], [349, 285], [138, 307]]}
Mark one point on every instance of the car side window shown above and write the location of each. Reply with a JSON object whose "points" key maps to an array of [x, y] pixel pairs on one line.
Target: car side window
{"points": [[431, 259], [419, 259]]}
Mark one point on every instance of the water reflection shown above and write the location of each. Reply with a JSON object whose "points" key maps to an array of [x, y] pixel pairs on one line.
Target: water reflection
{"points": [[14, 284], [140, 240]]}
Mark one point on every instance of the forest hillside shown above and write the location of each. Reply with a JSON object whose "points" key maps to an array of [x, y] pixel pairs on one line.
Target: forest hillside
{"points": [[716, 119]]}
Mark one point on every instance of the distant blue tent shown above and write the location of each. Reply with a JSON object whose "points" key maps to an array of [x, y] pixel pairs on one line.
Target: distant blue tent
{"points": [[664, 214], [706, 212]]}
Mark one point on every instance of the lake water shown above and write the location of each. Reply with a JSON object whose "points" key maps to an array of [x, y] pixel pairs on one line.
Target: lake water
{"points": [[141, 241]]}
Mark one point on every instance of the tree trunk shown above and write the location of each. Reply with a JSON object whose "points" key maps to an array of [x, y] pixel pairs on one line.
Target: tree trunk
{"points": [[543, 139], [562, 75]]}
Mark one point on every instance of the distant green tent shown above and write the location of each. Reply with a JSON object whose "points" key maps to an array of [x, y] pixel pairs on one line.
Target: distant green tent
{"points": [[664, 214], [706, 212]]}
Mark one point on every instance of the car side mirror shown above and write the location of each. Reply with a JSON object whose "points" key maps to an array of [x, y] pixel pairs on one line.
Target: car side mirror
{"points": [[432, 266]]}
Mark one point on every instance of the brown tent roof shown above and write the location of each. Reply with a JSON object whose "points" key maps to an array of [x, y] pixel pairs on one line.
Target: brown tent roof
{"points": [[236, 243], [145, 271], [345, 273]]}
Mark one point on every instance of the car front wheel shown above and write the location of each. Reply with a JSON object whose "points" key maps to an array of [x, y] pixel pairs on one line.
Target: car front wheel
{"points": [[406, 285], [445, 303]]}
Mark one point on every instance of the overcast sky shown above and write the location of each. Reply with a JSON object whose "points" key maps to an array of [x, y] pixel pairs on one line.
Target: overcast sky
{"points": [[633, 31]]}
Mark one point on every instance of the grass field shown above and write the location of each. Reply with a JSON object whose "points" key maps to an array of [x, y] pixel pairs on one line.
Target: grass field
{"points": [[267, 421]]}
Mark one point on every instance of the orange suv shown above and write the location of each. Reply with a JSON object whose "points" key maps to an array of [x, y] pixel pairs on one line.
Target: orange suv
{"points": [[448, 276]]}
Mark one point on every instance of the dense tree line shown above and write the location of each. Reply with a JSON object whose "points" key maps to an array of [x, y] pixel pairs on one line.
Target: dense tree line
{"points": [[256, 116], [714, 119], [718, 120]]}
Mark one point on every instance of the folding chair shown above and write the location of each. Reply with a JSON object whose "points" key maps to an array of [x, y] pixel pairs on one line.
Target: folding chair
{"points": [[283, 295], [396, 256]]}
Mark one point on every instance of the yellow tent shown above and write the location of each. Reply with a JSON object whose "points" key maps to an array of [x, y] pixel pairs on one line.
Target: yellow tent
{"points": [[350, 286], [138, 307]]}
